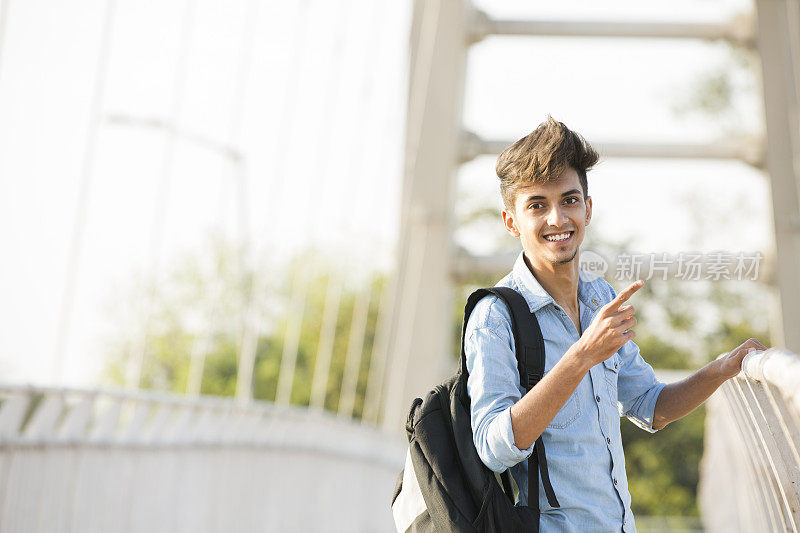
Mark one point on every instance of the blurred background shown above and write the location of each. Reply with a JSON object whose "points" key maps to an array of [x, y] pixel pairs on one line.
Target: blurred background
{"points": [[248, 228]]}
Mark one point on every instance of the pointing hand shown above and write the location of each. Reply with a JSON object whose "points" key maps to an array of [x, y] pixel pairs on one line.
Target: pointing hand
{"points": [[611, 327]]}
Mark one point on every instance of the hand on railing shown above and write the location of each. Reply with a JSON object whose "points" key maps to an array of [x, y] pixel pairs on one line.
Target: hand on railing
{"points": [[731, 362]]}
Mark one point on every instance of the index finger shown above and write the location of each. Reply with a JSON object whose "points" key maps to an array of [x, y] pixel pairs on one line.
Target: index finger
{"points": [[754, 342], [614, 304]]}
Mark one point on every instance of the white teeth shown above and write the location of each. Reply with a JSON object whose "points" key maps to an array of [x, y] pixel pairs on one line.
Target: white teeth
{"points": [[558, 237]]}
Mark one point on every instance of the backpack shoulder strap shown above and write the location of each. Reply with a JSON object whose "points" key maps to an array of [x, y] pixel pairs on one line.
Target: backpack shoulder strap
{"points": [[528, 342], [529, 350]]}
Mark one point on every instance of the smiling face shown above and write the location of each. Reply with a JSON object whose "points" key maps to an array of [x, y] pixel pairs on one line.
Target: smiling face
{"points": [[550, 219]]}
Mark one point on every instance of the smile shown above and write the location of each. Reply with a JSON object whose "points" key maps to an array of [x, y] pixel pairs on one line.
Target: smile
{"points": [[559, 238]]}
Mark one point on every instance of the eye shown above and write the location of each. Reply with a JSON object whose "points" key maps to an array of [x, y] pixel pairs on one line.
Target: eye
{"points": [[535, 204], [573, 198]]}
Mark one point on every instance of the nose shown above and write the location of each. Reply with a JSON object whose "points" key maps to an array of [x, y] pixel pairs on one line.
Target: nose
{"points": [[556, 217]]}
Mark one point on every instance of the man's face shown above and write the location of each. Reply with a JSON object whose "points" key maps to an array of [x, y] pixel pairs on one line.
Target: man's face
{"points": [[546, 213]]}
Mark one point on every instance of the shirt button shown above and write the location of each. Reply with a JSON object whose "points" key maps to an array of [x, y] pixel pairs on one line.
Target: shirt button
{"points": [[608, 440], [597, 398], [615, 481], [615, 366]]}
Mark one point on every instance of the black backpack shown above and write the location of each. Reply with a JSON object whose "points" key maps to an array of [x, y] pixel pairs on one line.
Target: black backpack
{"points": [[445, 486]]}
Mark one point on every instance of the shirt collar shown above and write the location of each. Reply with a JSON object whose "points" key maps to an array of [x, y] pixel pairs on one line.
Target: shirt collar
{"points": [[537, 297]]}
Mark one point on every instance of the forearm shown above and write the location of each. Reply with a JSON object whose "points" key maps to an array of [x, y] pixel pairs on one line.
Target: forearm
{"points": [[681, 398], [534, 411]]}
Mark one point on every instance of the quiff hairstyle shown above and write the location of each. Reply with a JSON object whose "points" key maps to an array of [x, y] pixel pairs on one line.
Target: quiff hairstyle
{"points": [[541, 157]]}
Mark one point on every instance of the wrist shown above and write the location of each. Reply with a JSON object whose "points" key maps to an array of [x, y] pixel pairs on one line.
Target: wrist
{"points": [[716, 371], [580, 356]]}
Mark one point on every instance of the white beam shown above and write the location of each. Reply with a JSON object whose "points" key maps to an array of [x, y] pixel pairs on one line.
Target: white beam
{"points": [[747, 149], [739, 30]]}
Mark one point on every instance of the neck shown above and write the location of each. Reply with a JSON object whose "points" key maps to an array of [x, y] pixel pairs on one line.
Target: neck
{"points": [[559, 280]]}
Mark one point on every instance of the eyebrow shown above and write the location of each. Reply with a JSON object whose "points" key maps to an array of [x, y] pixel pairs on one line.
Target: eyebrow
{"points": [[571, 191]]}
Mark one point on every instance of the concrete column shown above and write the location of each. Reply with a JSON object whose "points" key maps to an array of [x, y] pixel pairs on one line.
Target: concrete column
{"points": [[420, 351], [778, 47]]}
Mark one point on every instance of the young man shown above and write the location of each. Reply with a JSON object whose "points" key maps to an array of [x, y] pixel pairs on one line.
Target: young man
{"points": [[593, 370]]}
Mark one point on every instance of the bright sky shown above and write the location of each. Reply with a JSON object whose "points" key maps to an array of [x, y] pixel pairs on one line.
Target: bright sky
{"points": [[323, 104]]}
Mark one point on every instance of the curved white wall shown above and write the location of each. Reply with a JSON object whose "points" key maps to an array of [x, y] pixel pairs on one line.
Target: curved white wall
{"points": [[88, 461]]}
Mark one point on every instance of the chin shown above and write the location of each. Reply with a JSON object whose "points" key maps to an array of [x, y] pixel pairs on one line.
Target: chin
{"points": [[564, 259]]}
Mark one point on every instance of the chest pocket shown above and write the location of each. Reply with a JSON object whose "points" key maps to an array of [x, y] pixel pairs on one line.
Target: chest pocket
{"points": [[611, 368], [568, 414]]}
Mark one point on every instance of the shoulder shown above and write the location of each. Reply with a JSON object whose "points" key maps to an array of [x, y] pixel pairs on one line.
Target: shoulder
{"points": [[491, 313]]}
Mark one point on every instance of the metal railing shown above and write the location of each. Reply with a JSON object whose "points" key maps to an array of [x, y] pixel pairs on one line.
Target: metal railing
{"points": [[104, 460], [750, 473]]}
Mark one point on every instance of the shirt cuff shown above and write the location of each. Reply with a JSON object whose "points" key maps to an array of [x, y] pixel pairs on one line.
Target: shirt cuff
{"points": [[643, 412], [503, 437]]}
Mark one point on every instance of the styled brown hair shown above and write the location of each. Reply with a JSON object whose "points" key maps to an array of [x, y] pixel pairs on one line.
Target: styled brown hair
{"points": [[541, 157]]}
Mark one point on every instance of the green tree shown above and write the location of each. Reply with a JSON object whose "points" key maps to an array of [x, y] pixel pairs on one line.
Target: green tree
{"points": [[215, 296]]}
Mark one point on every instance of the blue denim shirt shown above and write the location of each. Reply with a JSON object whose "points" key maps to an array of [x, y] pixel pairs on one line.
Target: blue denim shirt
{"points": [[583, 443]]}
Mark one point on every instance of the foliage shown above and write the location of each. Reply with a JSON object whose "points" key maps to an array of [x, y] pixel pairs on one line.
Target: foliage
{"points": [[197, 306], [715, 93]]}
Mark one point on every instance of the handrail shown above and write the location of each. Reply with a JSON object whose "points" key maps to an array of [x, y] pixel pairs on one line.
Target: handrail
{"points": [[34, 415], [750, 478]]}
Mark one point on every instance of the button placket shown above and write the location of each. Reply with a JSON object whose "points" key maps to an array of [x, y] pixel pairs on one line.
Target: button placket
{"points": [[566, 321]]}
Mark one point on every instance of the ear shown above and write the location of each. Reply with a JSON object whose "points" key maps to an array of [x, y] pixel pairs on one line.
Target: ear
{"points": [[508, 222], [588, 209]]}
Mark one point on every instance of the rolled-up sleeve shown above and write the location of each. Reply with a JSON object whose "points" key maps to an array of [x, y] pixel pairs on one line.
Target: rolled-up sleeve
{"points": [[637, 388], [493, 384]]}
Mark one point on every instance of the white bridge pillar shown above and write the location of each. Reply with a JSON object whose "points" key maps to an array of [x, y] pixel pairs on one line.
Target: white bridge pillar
{"points": [[419, 348], [779, 48]]}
